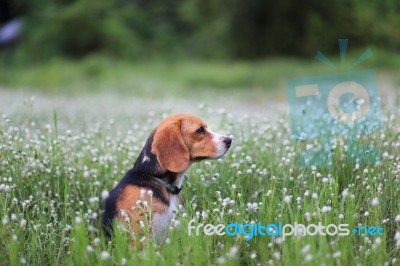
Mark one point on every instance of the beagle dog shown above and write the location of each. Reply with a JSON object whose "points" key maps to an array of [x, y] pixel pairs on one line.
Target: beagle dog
{"points": [[159, 171]]}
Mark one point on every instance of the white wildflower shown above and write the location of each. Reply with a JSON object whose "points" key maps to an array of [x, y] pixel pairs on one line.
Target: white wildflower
{"points": [[232, 252], [5, 220], [105, 255], [287, 199], [78, 220], [326, 209], [375, 202], [22, 224]]}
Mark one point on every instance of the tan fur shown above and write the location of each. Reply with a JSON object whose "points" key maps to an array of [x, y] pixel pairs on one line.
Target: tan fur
{"points": [[169, 147], [175, 156], [175, 144]]}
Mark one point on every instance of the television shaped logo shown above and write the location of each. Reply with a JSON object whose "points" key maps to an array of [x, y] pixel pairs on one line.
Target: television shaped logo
{"points": [[336, 105]]}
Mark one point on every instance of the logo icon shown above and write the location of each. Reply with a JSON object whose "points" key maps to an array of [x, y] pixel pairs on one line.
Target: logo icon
{"points": [[342, 104]]}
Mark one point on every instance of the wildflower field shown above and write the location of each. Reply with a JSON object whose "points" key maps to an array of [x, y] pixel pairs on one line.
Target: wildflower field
{"points": [[60, 156]]}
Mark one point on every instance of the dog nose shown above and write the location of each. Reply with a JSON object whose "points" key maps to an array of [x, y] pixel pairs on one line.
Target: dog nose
{"points": [[227, 141]]}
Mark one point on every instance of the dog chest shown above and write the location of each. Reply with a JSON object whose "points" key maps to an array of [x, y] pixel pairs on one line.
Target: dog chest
{"points": [[161, 221]]}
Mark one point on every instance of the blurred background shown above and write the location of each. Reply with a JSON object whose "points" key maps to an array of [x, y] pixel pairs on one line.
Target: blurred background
{"points": [[159, 48]]}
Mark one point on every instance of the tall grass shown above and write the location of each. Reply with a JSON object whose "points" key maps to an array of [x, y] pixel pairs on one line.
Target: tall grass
{"points": [[52, 180]]}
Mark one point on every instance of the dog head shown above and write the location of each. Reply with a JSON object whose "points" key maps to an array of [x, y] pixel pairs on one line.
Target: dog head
{"points": [[181, 139]]}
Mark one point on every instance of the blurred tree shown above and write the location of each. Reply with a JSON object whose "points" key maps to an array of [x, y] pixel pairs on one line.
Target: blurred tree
{"points": [[214, 28], [75, 28]]}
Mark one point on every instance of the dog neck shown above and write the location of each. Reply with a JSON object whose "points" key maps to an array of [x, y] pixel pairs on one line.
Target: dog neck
{"points": [[174, 187]]}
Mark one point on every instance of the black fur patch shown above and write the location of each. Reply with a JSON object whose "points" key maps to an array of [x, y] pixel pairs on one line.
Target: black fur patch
{"points": [[142, 175]]}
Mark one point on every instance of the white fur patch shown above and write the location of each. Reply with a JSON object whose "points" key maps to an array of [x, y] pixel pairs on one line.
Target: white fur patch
{"points": [[220, 146], [145, 159], [161, 221], [179, 179]]}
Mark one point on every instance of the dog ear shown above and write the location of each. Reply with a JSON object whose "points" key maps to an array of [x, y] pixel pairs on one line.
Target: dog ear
{"points": [[170, 149]]}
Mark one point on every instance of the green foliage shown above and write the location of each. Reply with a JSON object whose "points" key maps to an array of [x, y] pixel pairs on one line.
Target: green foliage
{"points": [[117, 28], [138, 29]]}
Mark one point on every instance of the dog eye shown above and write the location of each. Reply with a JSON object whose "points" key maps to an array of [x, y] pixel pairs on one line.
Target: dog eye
{"points": [[201, 131]]}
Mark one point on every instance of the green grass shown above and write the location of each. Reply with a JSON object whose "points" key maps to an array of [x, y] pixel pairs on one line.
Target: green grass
{"points": [[180, 76], [61, 152], [52, 180]]}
